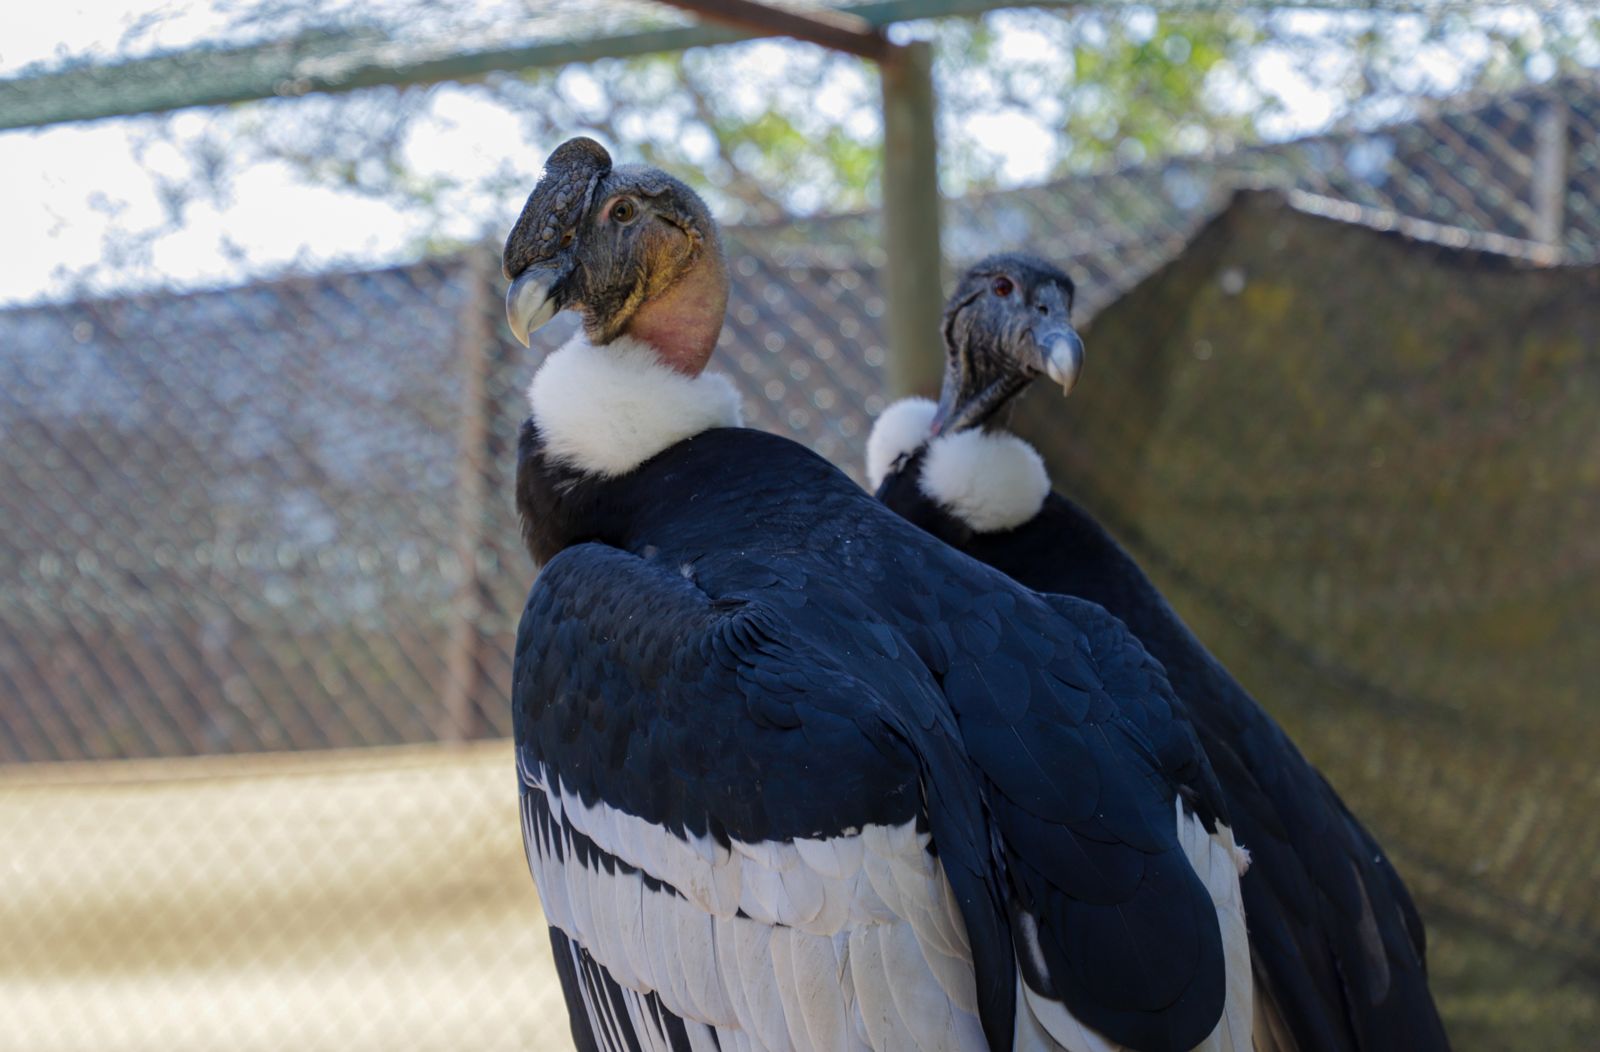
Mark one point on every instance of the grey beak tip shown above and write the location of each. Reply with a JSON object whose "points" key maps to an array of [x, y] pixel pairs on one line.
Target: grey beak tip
{"points": [[1064, 360], [529, 305], [521, 334]]}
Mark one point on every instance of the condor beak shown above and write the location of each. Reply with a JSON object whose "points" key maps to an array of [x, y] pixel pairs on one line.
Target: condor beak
{"points": [[533, 299], [1061, 349]]}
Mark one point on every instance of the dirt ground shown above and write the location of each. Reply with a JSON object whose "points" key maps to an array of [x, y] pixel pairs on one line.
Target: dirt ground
{"points": [[378, 900], [320, 901]]}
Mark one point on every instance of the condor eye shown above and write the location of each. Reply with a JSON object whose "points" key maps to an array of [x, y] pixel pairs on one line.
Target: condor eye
{"points": [[624, 211], [1002, 286]]}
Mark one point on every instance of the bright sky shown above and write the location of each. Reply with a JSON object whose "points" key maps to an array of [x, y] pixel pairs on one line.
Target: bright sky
{"points": [[67, 187]]}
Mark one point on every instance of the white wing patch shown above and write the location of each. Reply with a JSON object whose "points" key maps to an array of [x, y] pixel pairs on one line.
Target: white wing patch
{"points": [[843, 943], [650, 1030], [1046, 1026], [899, 430], [1220, 862], [848, 943]]}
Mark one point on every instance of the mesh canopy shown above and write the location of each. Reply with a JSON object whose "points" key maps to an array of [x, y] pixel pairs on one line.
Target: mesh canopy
{"points": [[1348, 421], [1371, 497]]}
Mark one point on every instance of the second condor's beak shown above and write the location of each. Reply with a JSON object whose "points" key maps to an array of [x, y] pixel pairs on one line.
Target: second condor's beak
{"points": [[534, 298], [1060, 351]]}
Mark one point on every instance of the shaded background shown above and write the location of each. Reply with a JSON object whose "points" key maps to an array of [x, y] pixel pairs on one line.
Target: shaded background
{"points": [[1342, 306]]}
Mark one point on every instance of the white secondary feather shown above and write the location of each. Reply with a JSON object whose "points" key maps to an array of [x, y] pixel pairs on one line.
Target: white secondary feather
{"points": [[897, 432], [851, 942], [1220, 862], [648, 1025], [764, 946], [1047, 1026], [606, 410], [990, 480]]}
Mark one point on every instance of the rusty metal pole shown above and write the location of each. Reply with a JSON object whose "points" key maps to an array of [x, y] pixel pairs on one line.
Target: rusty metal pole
{"points": [[838, 30], [478, 352], [1550, 164], [914, 267]]}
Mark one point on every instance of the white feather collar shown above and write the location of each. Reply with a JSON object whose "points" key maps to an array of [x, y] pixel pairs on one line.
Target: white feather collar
{"points": [[606, 410], [900, 430], [990, 480]]}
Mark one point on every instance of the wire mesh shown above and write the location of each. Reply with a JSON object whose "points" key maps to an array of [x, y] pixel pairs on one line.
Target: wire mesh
{"points": [[263, 571]]}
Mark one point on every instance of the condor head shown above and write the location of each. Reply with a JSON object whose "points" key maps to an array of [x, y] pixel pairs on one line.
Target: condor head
{"points": [[632, 249]]}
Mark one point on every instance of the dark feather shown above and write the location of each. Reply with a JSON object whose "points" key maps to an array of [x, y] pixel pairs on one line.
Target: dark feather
{"points": [[1335, 938], [826, 670]]}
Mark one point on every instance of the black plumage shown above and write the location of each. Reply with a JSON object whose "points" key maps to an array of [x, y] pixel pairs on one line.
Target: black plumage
{"points": [[1337, 946], [735, 664], [734, 640]]}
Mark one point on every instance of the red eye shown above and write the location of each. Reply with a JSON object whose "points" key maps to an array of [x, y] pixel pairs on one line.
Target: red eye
{"points": [[1002, 286]]}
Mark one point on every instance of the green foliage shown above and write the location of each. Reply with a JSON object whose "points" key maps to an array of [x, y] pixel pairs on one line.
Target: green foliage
{"points": [[775, 130], [780, 129], [1101, 86]]}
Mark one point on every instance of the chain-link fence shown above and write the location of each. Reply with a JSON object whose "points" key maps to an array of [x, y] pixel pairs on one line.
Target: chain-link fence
{"points": [[1351, 424]]}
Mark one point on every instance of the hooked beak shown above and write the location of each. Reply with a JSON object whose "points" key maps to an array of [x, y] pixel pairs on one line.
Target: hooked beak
{"points": [[534, 298], [1061, 354]]}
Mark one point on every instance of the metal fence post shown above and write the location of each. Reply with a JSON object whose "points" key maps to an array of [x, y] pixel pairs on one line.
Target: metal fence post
{"points": [[1550, 173], [478, 354], [911, 220]]}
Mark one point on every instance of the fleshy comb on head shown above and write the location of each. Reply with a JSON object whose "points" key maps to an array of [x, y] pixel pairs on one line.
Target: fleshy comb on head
{"points": [[557, 203]]}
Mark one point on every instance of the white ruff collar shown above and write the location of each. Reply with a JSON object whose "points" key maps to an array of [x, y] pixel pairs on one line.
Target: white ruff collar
{"points": [[606, 410], [899, 431], [990, 480]]}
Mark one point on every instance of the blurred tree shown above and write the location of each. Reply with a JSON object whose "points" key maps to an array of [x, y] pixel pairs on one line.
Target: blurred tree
{"points": [[774, 129]]}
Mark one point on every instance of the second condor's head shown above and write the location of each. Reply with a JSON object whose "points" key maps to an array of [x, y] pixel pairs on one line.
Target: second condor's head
{"points": [[1008, 321], [632, 249]]}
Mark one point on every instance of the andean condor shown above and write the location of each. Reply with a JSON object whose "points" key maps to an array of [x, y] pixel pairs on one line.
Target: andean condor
{"points": [[794, 774], [1335, 941]]}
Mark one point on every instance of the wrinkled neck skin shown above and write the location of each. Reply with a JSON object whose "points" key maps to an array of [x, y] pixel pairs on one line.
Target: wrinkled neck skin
{"points": [[977, 391], [683, 322]]}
